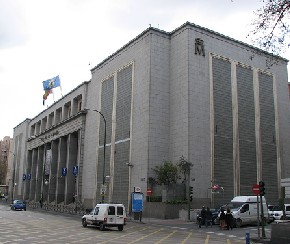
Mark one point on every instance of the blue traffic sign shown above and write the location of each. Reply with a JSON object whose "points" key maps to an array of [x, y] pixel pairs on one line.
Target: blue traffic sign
{"points": [[64, 171], [137, 201], [75, 170]]}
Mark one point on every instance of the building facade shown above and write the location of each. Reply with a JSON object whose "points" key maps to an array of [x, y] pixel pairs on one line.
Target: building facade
{"points": [[192, 92]]}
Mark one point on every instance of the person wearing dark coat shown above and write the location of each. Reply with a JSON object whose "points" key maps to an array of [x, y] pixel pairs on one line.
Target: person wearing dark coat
{"points": [[208, 217], [202, 216], [229, 219], [222, 219]]}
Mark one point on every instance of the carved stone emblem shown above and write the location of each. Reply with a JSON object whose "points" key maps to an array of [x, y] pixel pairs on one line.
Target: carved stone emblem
{"points": [[199, 47]]}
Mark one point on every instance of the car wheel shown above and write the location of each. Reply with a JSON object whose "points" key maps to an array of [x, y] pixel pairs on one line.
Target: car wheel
{"points": [[102, 227], [120, 227], [24, 209], [239, 223], [84, 222]]}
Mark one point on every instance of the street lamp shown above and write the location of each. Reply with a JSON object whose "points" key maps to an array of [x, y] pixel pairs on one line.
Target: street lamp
{"points": [[104, 164], [13, 189]]}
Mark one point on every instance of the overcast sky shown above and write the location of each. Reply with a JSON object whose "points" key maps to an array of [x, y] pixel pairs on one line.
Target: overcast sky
{"points": [[40, 39]]}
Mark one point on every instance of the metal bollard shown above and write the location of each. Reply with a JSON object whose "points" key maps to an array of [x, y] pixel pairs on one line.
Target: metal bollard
{"points": [[248, 241]]}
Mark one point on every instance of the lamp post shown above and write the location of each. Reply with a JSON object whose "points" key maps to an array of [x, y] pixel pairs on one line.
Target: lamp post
{"points": [[13, 189], [104, 164]]}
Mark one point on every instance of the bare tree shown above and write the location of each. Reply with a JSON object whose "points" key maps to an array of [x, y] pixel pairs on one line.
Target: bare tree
{"points": [[271, 27]]}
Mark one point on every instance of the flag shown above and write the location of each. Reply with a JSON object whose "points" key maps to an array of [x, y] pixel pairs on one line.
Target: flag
{"points": [[48, 85], [45, 95], [215, 187], [51, 83]]}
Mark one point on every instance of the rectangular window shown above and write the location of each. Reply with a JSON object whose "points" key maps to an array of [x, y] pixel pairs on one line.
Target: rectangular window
{"points": [[111, 210], [120, 210]]}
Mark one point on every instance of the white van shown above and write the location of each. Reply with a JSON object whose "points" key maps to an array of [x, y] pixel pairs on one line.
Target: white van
{"points": [[244, 210], [106, 215], [287, 209]]}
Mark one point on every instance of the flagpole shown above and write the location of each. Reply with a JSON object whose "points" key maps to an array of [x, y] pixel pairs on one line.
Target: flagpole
{"points": [[53, 96], [60, 90]]}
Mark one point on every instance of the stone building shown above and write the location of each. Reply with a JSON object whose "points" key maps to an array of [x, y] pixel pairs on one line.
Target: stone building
{"points": [[220, 103], [5, 163]]}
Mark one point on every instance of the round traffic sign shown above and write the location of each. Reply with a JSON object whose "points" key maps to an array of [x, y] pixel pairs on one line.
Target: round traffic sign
{"points": [[256, 189]]}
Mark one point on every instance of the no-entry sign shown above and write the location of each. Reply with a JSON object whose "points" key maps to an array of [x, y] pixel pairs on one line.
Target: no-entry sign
{"points": [[256, 189], [149, 192]]}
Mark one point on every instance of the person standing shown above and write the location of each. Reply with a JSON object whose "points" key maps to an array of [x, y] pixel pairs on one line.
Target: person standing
{"points": [[41, 201], [208, 217], [202, 216], [229, 219], [222, 219]]}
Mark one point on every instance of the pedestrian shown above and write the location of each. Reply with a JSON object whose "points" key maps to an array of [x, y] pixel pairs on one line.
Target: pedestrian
{"points": [[208, 217], [202, 216], [222, 219], [229, 219], [40, 202]]}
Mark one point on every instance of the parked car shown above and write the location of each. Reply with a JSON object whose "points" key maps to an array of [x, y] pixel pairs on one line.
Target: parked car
{"points": [[18, 205], [275, 213], [106, 215]]}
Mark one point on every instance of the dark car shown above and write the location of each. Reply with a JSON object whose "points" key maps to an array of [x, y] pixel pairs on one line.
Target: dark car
{"points": [[18, 204], [214, 213]]}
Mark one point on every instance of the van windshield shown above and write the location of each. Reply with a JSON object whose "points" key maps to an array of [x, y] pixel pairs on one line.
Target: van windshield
{"points": [[236, 205], [277, 208]]}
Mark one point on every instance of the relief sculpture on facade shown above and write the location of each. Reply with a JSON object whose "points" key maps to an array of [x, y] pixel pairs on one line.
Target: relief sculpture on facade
{"points": [[199, 47]]}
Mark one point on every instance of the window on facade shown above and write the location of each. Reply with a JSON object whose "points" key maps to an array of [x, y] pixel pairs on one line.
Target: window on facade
{"points": [[77, 104], [32, 130], [58, 116], [43, 124], [37, 129], [67, 110], [50, 119]]}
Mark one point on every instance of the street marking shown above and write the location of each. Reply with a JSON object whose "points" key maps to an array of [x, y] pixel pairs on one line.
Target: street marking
{"points": [[228, 241], [165, 237], [180, 228], [184, 241], [118, 237], [206, 240], [147, 236]]}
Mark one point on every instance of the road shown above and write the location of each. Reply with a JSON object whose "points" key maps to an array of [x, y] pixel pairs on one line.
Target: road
{"points": [[39, 226]]}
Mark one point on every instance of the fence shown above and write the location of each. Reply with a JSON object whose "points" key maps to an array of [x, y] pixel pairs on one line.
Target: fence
{"points": [[75, 208]]}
